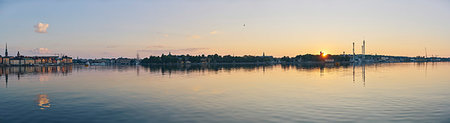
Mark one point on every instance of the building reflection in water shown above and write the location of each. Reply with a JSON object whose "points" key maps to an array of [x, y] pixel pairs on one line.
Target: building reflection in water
{"points": [[322, 69], [363, 67], [363, 72], [6, 80], [424, 66], [353, 73], [21, 71], [137, 70], [186, 69], [43, 101]]}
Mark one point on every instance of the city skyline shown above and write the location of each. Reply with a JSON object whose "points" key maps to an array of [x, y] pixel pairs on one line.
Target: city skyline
{"points": [[96, 29]]}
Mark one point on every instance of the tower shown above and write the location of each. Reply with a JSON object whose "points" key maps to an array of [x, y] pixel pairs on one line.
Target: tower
{"points": [[426, 55], [6, 50], [363, 50], [353, 52], [138, 59], [264, 54], [137, 56]]}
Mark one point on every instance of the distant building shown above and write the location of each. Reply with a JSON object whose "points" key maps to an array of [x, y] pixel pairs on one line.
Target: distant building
{"points": [[264, 56], [21, 60], [124, 61], [5, 61], [329, 60], [17, 61]]}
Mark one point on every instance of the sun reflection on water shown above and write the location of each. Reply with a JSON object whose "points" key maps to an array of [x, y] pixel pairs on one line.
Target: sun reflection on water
{"points": [[43, 101]]}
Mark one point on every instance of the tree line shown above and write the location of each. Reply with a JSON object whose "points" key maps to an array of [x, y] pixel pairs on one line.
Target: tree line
{"points": [[239, 59]]}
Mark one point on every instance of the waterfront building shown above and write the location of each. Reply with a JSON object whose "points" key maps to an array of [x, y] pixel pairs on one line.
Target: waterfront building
{"points": [[125, 61], [21, 60], [329, 60], [66, 60], [29, 61], [17, 61], [5, 61]]}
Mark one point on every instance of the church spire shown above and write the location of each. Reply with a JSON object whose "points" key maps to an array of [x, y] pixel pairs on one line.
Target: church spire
{"points": [[6, 50]]}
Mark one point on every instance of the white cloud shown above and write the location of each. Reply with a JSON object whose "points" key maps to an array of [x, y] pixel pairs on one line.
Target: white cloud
{"points": [[41, 51], [41, 27]]}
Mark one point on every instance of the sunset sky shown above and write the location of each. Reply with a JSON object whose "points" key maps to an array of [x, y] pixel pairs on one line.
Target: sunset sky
{"points": [[99, 28]]}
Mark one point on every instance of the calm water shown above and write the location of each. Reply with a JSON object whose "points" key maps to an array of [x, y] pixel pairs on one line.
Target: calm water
{"points": [[397, 92]]}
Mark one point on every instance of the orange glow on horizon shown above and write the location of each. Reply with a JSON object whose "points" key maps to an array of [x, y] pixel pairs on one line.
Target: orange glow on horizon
{"points": [[323, 54]]}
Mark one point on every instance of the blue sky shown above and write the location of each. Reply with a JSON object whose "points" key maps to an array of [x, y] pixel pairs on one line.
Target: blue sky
{"points": [[100, 28]]}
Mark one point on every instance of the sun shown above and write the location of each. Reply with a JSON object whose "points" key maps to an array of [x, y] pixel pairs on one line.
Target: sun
{"points": [[323, 54]]}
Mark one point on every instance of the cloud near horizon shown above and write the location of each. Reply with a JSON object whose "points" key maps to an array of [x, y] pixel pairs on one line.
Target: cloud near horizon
{"points": [[41, 27], [213, 32], [41, 51]]}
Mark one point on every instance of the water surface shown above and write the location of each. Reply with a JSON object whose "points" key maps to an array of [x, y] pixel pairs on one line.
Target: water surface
{"points": [[397, 92]]}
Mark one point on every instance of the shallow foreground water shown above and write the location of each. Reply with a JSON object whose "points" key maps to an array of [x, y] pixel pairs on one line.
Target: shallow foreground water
{"points": [[397, 92]]}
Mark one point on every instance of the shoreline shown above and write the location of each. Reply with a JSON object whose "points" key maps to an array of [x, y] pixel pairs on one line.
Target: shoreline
{"points": [[243, 63], [282, 63]]}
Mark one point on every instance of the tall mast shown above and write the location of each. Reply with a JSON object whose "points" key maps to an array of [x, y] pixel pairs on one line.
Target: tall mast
{"points": [[426, 55], [364, 50], [353, 51], [138, 59]]}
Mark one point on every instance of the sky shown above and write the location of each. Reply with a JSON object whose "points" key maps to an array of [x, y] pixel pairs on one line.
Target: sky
{"points": [[123, 28]]}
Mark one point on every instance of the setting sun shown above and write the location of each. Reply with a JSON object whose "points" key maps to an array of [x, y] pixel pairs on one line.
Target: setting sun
{"points": [[323, 54]]}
